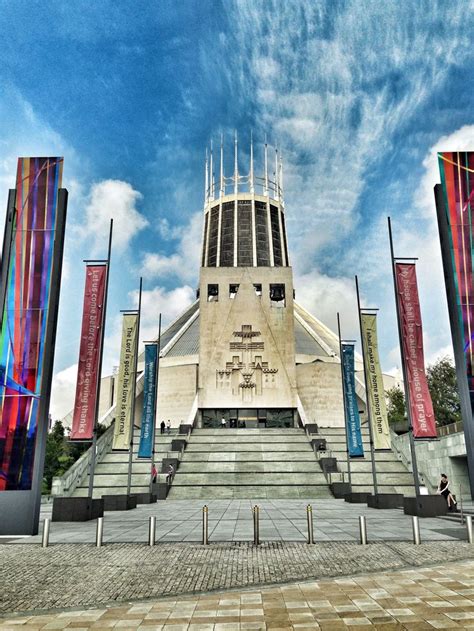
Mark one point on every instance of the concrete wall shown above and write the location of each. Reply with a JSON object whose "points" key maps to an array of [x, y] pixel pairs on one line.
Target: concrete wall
{"points": [[267, 370], [446, 455], [319, 388], [177, 386]]}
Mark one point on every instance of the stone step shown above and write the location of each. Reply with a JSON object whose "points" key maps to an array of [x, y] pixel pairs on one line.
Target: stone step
{"points": [[408, 491], [380, 456], [366, 466], [248, 440], [258, 447], [281, 466], [237, 479], [249, 492], [251, 456], [120, 479], [120, 457], [405, 478], [248, 431], [82, 491]]}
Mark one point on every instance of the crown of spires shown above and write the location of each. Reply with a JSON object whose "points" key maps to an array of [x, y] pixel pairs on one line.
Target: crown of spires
{"points": [[259, 185]]}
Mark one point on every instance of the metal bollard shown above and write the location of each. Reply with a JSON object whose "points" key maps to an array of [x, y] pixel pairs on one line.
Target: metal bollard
{"points": [[205, 526], [362, 530], [460, 501], [45, 538], [151, 531], [99, 533], [416, 530], [309, 517], [469, 527], [256, 525]]}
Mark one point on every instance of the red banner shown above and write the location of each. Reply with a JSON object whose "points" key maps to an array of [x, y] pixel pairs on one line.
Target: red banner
{"points": [[419, 398], [89, 354]]}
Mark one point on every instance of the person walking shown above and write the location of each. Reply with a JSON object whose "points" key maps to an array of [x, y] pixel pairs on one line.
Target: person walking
{"points": [[162, 427], [154, 474], [170, 474], [223, 423], [168, 426], [444, 490]]}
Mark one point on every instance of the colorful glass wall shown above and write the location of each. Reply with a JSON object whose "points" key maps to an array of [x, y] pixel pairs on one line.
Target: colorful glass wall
{"points": [[457, 179], [25, 316]]}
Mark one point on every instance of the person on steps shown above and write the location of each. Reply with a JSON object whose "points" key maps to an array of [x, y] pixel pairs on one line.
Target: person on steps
{"points": [[168, 426], [162, 427], [444, 490]]}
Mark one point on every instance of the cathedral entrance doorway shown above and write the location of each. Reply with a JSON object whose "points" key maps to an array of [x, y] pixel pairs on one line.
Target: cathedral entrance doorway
{"points": [[248, 418]]}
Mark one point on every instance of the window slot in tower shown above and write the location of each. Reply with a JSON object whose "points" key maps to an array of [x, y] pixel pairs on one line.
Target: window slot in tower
{"points": [[233, 289], [212, 293], [258, 289], [277, 295]]}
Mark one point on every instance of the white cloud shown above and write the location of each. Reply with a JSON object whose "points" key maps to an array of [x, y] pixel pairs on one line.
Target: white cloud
{"points": [[112, 199], [183, 264], [63, 392]]}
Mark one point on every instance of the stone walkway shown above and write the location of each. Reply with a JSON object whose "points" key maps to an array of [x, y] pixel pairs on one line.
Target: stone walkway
{"points": [[440, 597], [78, 575], [231, 520]]}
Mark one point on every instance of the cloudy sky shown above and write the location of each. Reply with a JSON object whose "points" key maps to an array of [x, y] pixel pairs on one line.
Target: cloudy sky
{"points": [[359, 96]]}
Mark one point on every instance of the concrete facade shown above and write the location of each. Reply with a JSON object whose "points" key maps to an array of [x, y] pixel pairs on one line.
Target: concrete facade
{"points": [[445, 455]]}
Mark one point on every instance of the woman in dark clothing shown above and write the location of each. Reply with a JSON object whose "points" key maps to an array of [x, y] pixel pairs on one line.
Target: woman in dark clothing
{"points": [[443, 489]]}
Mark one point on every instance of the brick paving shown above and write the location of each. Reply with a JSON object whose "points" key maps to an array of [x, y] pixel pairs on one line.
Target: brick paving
{"points": [[80, 575], [437, 597]]}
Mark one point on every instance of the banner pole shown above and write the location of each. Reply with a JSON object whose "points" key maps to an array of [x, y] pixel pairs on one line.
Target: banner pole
{"points": [[344, 402], [405, 382], [134, 390], [99, 369], [158, 345], [369, 416]]}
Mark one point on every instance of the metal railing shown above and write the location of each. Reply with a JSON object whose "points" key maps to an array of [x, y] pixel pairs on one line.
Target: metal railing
{"points": [[66, 484], [453, 428]]}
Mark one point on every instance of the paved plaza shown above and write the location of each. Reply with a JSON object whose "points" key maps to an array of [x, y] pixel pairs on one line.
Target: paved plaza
{"points": [[231, 520], [438, 597]]}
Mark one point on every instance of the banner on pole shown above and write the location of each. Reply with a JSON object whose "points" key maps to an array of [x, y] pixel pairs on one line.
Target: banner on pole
{"points": [[30, 272], [457, 178], [375, 389], [88, 378], [419, 398], [149, 398], [354, 436], [125, 405]]}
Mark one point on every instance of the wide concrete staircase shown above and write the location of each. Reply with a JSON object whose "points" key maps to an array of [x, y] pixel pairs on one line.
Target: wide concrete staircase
{"points": [[248, 463], [111, 472], [392, 474]]}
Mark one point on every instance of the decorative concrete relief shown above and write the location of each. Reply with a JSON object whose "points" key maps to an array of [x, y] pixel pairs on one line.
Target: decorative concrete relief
{"points": [[247, 374]]}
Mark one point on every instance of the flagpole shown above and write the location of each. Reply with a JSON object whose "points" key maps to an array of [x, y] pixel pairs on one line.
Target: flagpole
{"points": [[158, 345], [99, 369], [414, 463], [369, 417], [133, 390], [344, 402]]}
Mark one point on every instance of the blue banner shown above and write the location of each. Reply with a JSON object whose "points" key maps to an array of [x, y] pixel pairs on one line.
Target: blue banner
{"points": [[354, 437], [149, 399]]}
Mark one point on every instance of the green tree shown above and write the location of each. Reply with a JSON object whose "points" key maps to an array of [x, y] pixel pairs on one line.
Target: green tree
{"points": [[395, 405], [443, 387]]}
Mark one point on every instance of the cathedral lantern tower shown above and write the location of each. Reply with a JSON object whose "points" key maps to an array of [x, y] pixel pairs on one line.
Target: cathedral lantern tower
{"points": [[247, 346]]}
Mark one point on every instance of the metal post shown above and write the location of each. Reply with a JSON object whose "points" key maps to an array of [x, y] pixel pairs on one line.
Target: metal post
{"points": [[457, 335], [366, 381], [460, 501], [344, 402], [133, 391], [158, 345], [362, 530], [99, 533], [151, 530], [416, 530], [256, 525], [99, 369], [309, 517], [414, 463], [45, 538], [205, 526], [469, 527]]}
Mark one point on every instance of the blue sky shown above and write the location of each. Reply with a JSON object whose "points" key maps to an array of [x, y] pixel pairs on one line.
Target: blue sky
{"points": [[358, 95]]}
